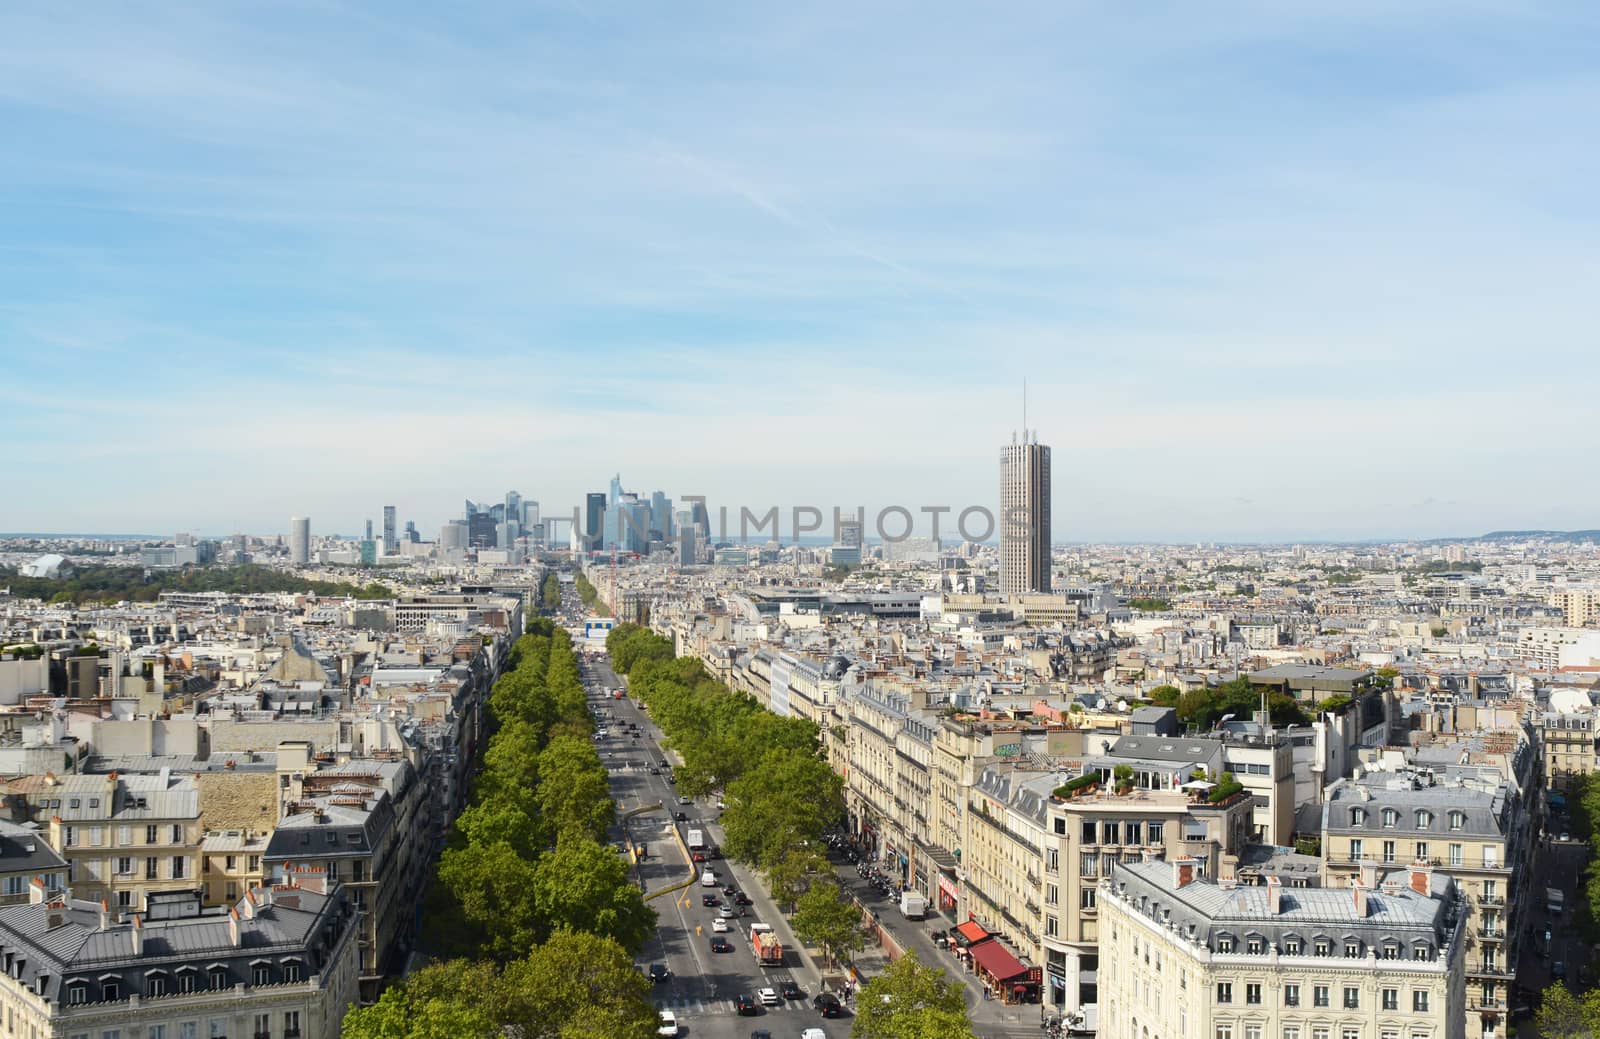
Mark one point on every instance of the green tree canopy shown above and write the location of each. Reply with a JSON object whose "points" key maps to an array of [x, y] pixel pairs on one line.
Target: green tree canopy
{"points": [[911, 1001], [827, 919]]}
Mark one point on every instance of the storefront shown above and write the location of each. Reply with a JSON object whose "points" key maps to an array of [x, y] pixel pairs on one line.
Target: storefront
{"points": [[1006, 977], [948, 894]]}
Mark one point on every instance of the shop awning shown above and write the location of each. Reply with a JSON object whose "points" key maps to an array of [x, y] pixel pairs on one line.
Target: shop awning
{"points": [[971, 933], [997, 962]]}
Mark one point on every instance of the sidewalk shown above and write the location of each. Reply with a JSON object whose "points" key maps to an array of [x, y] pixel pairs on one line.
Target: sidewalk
{"points": [[990, 1017]]}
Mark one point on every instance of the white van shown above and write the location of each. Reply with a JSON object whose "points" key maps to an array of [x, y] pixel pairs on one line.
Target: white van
{"points": [[708, 879]]}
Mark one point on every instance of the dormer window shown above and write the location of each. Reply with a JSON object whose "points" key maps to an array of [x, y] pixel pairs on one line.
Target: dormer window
{"points": [[1224, 943], [261, 974], [1323, 946], [1292, 945], [1391, 818], [291, 971], [1358, 816], [110, 989], [77, 993], [1422, 951], [1254, 944], [1424, 819], [218, 978], [155, 984], [1352, 948], [1458, 820]]}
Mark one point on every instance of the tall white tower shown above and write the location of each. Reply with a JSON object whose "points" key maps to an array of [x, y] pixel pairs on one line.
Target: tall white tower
{"points": [[300, 540], [1024, 518]]}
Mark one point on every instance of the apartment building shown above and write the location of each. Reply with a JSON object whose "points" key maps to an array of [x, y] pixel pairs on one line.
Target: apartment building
{"points": [[1259, 758], [1467, 823], [123, 837], [1571, 745], [278, 964], [1580, 606], [1090, 833], [231, 864], [24, 856], [1184, 957], [360, 823]]}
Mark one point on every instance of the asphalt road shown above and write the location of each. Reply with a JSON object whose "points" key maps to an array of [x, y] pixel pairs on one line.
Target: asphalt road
{"points": [[703, 985]]}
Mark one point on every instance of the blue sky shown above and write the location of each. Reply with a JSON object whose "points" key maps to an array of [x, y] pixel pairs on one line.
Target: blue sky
{"points": [[1272, 270]]}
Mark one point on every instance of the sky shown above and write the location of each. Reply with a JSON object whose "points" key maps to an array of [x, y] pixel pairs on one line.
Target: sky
{"points": [[1271, 271]]}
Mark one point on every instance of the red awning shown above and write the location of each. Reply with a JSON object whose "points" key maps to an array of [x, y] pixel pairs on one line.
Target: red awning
{"points": [[973, 932], [997, 962]]}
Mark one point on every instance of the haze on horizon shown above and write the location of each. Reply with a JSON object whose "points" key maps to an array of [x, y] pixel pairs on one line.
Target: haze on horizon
{"points": [[1318, 273]]}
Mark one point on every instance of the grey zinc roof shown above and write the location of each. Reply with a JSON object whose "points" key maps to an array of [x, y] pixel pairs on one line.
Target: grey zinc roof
{"points": [[24, 851], [77, 947], [1484, 810], [1207, 909]]}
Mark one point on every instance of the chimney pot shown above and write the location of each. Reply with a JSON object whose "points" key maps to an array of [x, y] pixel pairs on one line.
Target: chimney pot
{"points": [[1182, 872], [1422, 878]]}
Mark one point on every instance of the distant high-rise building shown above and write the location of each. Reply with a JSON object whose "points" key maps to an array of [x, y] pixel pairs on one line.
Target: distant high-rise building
{"points": [[530, 514], [369, 530], [391, 543], [627, 526], [594, 515], [1024, 516], [481, 530], [300, 540], [513, 509], [411, 532], [661, 515], [688, 541], [699, 515], [453, 536], [616, 489], [369, 552]]}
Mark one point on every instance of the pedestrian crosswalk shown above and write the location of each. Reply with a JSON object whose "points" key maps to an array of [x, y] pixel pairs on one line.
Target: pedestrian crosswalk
{"points": [[685, 1006]]}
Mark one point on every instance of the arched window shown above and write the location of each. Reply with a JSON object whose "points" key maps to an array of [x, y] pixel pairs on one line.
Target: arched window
{"points": [[1391, 818], [1358, 816], [1458, 820], [1424, 819]]}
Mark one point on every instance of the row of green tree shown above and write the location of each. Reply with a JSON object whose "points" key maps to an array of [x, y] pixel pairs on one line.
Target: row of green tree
{"points": [[1205, 707], [550, 593], [131, 584], [589, 595], [782, 797], [535, 913]]}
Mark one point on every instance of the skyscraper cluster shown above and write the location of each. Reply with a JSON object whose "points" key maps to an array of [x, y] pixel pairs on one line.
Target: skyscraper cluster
{"points": [[625, 521]]}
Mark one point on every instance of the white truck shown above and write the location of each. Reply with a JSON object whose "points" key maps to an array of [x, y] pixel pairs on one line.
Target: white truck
{"points": [[913, 905]]}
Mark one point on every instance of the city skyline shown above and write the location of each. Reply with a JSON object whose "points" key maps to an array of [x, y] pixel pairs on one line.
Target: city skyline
{"points": [[1284, 274]]}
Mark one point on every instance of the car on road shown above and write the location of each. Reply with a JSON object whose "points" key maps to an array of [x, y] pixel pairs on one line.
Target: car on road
{"points": [[726, 912], [789, 990], [746, 1005], [1558, 970], [719, 944], [699, 856], [760, 1033], [827, 1004], [1564, 836], [682, 817], [740, 898], [669, 1023], [684, 800], [768, 997], [659, 972], [730, 891], [813, 1033], [654, 771], [719, 925], [710, 900]]}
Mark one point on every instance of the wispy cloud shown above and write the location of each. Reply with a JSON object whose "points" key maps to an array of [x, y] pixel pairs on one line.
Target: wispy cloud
{"points": [[811, 250]]}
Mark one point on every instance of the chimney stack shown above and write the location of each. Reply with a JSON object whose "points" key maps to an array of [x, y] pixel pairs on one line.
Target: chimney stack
{"points": [[1274, 895], [1360, 891], [1422, 878], [233, 927], [1369, 875], [37, 895], [1183, 872], [138, 937], [105, 914]]}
